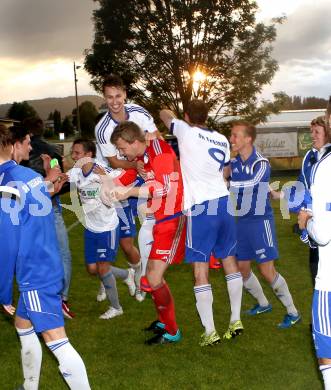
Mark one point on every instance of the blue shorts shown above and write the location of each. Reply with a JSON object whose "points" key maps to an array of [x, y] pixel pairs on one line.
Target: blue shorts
{"points": [[101, 246], [256, 240], [127, 222], [135, 202], [43, 307], [321, 321], [210, 230]]}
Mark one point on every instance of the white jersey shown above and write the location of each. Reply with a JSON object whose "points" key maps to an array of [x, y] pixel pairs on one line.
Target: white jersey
{"points": [[106, 125], [98, 217], [319, 226], [203, 154]]}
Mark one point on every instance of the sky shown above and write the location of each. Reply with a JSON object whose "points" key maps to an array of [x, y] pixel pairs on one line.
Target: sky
{"points": [[40, 39]]}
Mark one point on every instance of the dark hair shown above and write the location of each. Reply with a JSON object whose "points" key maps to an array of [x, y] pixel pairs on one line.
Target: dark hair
{"points": [[128, 131], [113, 80], [250, 130], [5, 136], [18, 133], [35, 126], [88, 145], [197, 111]]}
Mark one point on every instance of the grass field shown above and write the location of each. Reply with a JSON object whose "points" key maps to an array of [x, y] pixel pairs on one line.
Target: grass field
{"points": [[264, 357]]}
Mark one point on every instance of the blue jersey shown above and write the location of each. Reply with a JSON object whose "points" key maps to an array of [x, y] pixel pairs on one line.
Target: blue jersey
{"points": [[299, 196], [27, 231], [249, 186]]}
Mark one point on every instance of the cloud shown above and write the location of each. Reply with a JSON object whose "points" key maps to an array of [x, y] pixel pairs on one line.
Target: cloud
{"points": [[40, 29], [306, 34], [24, 80]]}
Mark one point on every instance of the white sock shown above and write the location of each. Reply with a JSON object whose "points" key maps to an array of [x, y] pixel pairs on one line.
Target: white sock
{"points": [[326, 372], [31, 354], [137, 273], [253, 286], [71, 364], [280, 288], [235, 289], [145, 240], [204, 303]]}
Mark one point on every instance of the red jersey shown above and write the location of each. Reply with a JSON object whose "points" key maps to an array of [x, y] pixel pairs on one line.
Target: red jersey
{"points": [[164, 179]]}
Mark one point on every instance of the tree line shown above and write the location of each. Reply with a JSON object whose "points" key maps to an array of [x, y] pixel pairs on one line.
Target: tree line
{"points": [[54, 123]]}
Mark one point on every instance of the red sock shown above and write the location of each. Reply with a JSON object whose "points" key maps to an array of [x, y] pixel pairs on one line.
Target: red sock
{"points": [[165, 307]]}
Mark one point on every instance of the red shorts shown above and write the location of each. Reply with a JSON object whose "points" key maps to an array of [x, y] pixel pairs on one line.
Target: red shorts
{"points": [[169, 240]]}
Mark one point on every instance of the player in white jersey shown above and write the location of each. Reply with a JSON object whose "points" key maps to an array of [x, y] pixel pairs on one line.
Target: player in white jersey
{"points": [[204, 159], [318, 225], [101, 223], [118, 111]]}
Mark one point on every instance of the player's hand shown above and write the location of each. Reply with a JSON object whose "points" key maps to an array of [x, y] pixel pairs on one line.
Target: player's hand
{"points": [[53, 174], [303, 218], [46, 162], [99, 170], [9, 309], [119, 193]]}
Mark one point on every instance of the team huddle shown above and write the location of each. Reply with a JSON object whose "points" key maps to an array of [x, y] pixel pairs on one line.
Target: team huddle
{"points": [[199, 206]]}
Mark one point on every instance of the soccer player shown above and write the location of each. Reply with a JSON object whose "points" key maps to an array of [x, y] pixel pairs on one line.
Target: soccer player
{"points": [[164, 188], [101, 223], [41, 147], [249, 185], [318, 225], [205, 156], [29, 249], [115, 96], [321, 145]]}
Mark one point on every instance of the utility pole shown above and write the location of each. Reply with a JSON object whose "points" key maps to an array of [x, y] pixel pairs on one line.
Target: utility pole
{"points": [[77, 109]]}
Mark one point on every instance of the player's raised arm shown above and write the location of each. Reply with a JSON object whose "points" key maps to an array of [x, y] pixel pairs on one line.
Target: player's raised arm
{"points": [[166, 117]]}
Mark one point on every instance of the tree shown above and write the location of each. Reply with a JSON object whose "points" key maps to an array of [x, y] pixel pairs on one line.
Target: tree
{"points": [[168, 51], [57, 121], [67, 126], [88, 114], [21, 111], [305, 103]]}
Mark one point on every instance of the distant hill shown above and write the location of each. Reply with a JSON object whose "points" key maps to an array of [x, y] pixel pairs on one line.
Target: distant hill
{"points": [[64, 105]]}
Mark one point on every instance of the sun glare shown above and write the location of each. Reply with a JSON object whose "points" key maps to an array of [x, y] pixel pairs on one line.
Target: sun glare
{"points": [[199, 76]]}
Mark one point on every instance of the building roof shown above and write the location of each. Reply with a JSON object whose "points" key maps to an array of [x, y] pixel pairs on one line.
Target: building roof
{"points": [[291, 118]]}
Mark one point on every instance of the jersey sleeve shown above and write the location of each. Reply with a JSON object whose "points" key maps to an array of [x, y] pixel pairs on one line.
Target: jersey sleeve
{"points": [[319, 226], [178, 128], [227, 158], [108, 150], [126, 178], [9, 238], [261, 173], [148, 124]]}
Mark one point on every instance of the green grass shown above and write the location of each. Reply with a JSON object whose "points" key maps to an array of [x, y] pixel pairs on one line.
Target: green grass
{"points": [[264, 357]]}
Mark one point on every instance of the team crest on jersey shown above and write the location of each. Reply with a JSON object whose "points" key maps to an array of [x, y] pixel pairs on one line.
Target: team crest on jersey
{"points": [[146, 159]]}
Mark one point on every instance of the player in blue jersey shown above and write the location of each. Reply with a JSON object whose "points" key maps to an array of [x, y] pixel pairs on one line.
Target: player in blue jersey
{"points": [[318, 224], [298, 200], [249, 186], [29, 248], [204, 158]]}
